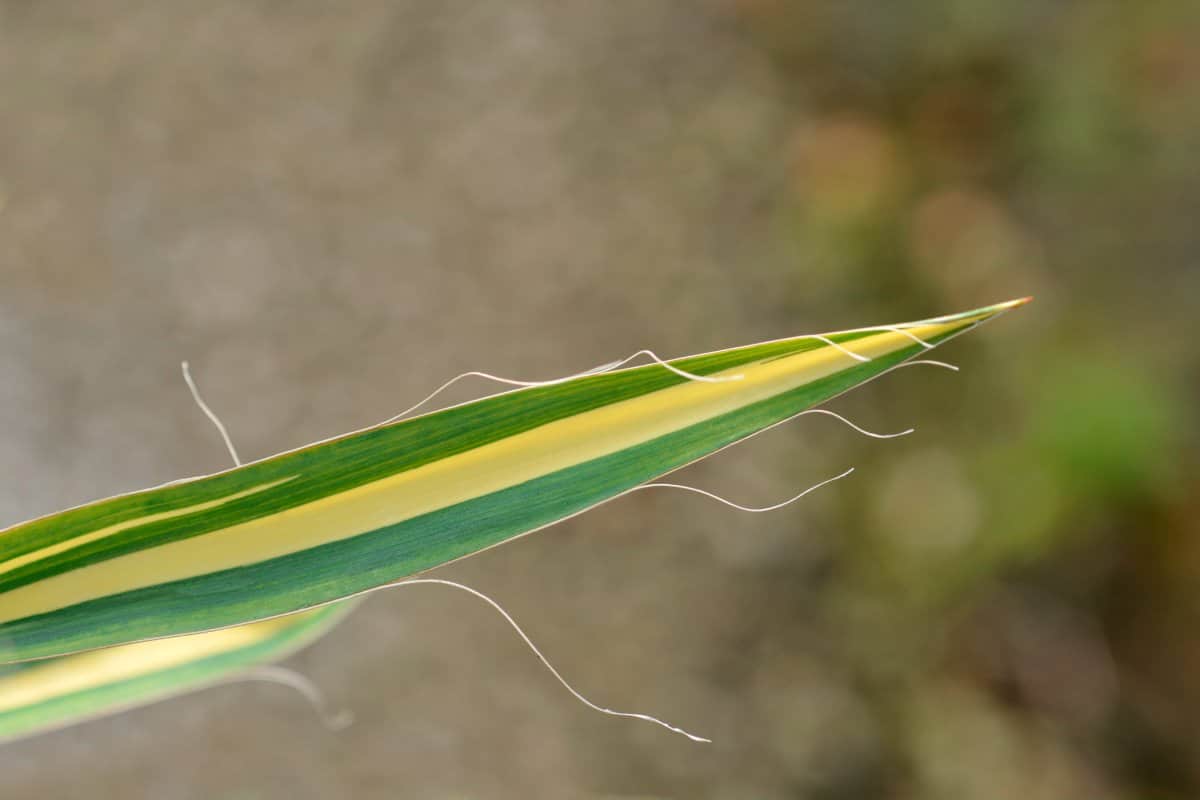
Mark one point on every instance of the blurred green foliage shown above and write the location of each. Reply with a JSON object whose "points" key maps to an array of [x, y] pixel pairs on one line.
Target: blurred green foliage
{"points": [[999, 590]]}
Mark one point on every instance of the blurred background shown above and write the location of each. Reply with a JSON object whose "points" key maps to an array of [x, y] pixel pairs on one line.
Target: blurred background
{"points": [[332, 208]]}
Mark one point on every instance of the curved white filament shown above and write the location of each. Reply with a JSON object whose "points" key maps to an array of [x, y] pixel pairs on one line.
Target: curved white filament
{"points": [[860, 356], [739, 507], [682, 373], [603, 368], [845, 421], [545, 662], [270, 673], [208, 412], [918, 362], [497, 379], [908, 333], [832, 343]]}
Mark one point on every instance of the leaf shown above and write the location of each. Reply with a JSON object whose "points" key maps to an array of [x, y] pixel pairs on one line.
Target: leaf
{"points": [[38, 696], [341, 517]]}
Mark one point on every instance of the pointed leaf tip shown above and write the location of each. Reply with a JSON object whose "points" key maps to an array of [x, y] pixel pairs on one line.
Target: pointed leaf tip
{"points": [[978, 315], [1000, 308], [1020, 301]]}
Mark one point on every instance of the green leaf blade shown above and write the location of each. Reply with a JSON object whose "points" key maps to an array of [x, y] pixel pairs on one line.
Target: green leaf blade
{"points": [[40, 696], [341, 517]]}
